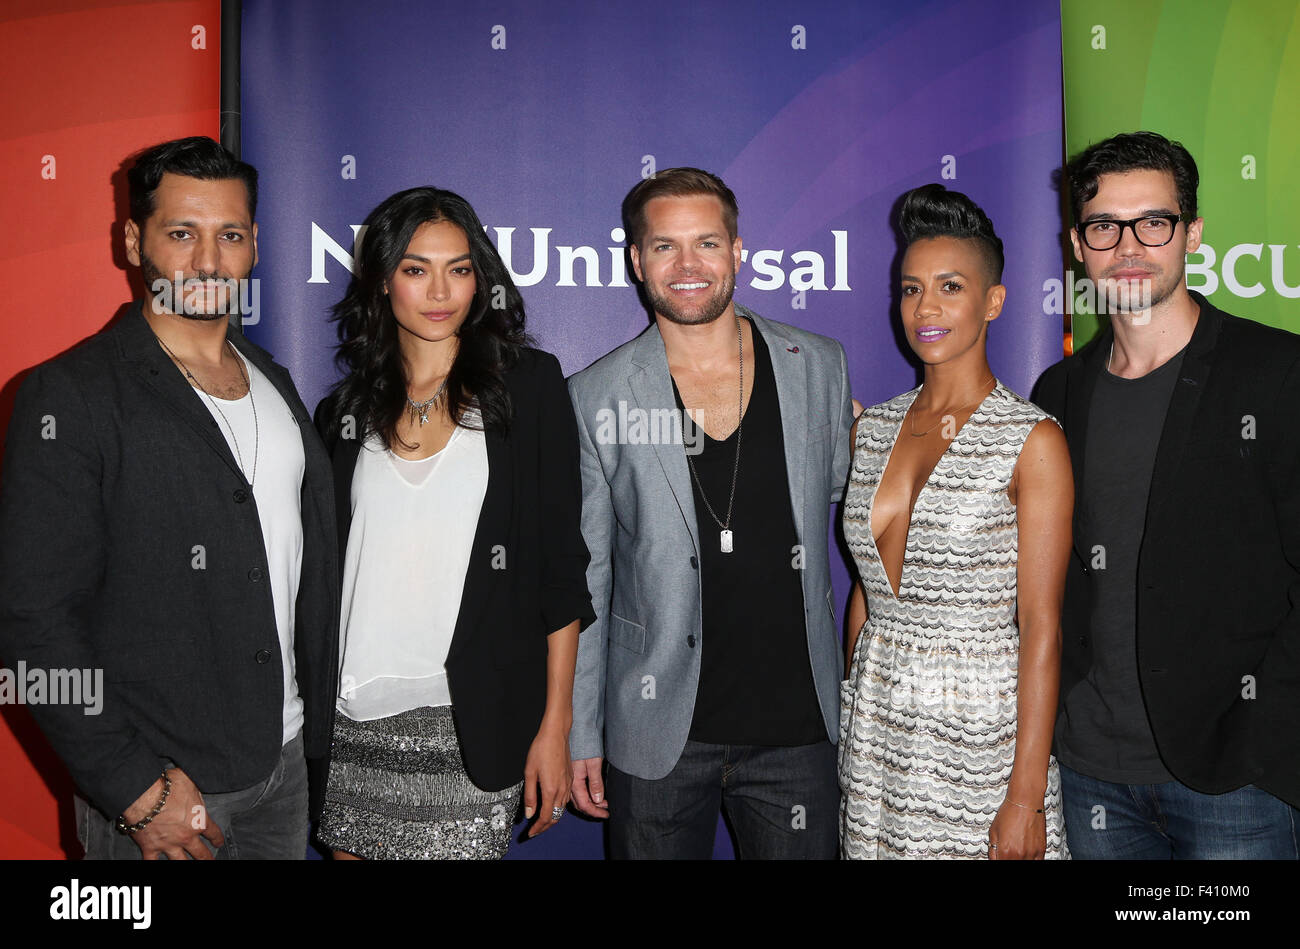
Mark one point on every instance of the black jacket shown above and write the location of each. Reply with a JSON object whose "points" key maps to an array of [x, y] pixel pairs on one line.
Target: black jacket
{"points": [[115, 475], [1218, 583], [526, 575]]}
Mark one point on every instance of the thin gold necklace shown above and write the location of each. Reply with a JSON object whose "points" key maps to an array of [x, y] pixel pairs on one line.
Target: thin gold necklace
{"points": [[911, 422]]}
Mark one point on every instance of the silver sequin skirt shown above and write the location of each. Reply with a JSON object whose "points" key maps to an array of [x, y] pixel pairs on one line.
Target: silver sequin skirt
{"points": [[398, 791]]}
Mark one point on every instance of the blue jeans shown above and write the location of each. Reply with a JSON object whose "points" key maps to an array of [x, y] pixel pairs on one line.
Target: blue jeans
{"points": [[1170, 821], [265, 822], [782, 802]]}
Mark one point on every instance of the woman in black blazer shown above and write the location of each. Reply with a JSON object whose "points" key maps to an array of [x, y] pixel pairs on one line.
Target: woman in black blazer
{"points": [[459, 504]]}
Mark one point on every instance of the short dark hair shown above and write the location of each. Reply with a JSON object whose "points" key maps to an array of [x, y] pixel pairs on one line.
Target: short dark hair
{"points": [[676, 183], [373, 390], [1132, 151], [195, 157], [934, 211]]}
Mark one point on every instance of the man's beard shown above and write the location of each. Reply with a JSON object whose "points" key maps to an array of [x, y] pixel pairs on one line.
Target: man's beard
{"points": [[706, 311], [173, 297], [1127, 296]]}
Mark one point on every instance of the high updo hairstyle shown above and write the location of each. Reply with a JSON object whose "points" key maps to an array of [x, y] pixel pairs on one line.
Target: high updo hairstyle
{"points": [[934, 211]]}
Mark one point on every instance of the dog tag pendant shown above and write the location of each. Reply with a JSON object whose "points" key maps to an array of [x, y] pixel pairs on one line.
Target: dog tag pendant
{"points": [[726, 541]]}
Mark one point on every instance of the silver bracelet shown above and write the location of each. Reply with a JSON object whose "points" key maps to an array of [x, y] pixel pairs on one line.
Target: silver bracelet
{"points": [[124, 828]]}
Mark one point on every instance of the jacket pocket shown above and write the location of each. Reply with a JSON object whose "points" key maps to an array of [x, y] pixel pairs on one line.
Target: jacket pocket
{"points": [[627, 634]]}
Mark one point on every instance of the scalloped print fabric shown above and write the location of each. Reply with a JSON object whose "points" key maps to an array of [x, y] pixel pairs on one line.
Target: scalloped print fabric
{"points": [[928, 713]]}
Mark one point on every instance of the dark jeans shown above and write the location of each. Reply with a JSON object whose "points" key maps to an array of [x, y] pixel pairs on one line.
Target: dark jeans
{"points": [[783, 803], [1170, 821], [265, 822]]}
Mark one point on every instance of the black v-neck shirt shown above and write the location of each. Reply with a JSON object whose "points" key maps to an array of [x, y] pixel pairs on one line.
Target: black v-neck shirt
{"points": [[756, 685]]}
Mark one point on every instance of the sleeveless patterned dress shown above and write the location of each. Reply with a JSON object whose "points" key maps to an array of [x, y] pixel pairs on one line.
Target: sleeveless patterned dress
{"points": [[928, 713]]}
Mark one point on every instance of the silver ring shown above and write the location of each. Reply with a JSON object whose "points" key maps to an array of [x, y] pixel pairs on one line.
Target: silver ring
{"points": [[557, 813]]}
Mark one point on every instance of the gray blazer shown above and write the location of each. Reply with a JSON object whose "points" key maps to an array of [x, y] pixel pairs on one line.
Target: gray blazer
{"points": [[639, 663]]}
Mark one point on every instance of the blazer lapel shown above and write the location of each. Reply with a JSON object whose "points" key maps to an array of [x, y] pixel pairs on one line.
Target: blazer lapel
{"points": [[152, 367], [790, 370], [652, 390], [1193, 376], [493, 529]]}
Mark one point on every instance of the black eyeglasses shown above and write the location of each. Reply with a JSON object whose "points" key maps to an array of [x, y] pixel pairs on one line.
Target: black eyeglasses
{"points": [[1151, 230]]}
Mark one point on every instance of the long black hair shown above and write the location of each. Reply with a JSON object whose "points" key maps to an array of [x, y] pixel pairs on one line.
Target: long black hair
{"points": [[373, 389]]}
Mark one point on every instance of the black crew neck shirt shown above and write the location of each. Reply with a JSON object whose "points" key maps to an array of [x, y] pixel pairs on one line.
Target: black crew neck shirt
{"points": [[1104, 731], [756, 685]]}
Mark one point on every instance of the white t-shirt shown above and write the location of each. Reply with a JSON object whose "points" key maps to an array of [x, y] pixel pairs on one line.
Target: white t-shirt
{"points": [[270, 453], [409, 544]]}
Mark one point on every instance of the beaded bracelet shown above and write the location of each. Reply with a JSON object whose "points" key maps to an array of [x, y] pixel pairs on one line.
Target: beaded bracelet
{"points": [[124, 828]]}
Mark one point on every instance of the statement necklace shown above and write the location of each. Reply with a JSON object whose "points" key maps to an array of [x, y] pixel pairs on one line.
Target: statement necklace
{"points": [[422, 408]]}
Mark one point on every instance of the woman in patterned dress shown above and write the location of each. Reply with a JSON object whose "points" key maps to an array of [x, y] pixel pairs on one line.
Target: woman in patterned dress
{"points": [[958, 514]]}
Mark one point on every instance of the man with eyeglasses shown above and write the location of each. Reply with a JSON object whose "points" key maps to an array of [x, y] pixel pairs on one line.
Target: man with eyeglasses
{"points": [[1178, 732]]}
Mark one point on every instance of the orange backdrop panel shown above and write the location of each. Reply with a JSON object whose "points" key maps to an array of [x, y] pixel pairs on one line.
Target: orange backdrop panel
{"points": [[86, 84]]}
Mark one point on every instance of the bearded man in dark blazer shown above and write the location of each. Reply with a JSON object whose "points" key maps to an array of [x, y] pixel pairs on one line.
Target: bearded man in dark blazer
{"points": [[166, 518], [1178, 733]]}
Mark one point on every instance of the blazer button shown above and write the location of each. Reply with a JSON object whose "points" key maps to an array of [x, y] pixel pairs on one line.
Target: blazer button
{"points": [[690, 641], [240, 495], [263, 656], [255, 574], [1083, 640], [695, 564]]}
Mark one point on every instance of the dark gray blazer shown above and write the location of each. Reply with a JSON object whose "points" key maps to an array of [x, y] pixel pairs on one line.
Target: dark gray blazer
{"points": [[115, 474], [638, 518]]}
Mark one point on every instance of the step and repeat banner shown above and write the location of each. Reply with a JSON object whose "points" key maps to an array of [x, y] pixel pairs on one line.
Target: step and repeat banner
{"points": [[1223, 79], [819, 116]]}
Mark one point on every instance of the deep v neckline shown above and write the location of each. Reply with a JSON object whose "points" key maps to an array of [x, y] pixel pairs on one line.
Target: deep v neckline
{"points": [[925, 485]]}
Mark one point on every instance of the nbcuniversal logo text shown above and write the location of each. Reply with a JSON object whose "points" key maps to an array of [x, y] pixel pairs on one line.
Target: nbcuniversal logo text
{"points": [[605, 267], [1244, 270]]}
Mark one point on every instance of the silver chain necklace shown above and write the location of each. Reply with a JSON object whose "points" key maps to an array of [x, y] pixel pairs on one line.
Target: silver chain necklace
{"points": [[422, 408], [727, 538], [257, 436]]}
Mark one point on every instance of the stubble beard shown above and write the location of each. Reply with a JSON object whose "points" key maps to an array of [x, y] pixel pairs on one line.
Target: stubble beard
{"points": [[1129, 300], [708, 311], [152, 274]]}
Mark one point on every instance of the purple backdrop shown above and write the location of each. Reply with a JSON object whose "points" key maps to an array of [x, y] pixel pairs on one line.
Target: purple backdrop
{"points": [[818, 115]]}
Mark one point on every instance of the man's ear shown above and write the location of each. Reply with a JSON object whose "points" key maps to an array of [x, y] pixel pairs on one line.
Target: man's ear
{"points": [[1194, 231], [635, 253], [132, 235], [254, 243], [735, 253], [1078, 247]]}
